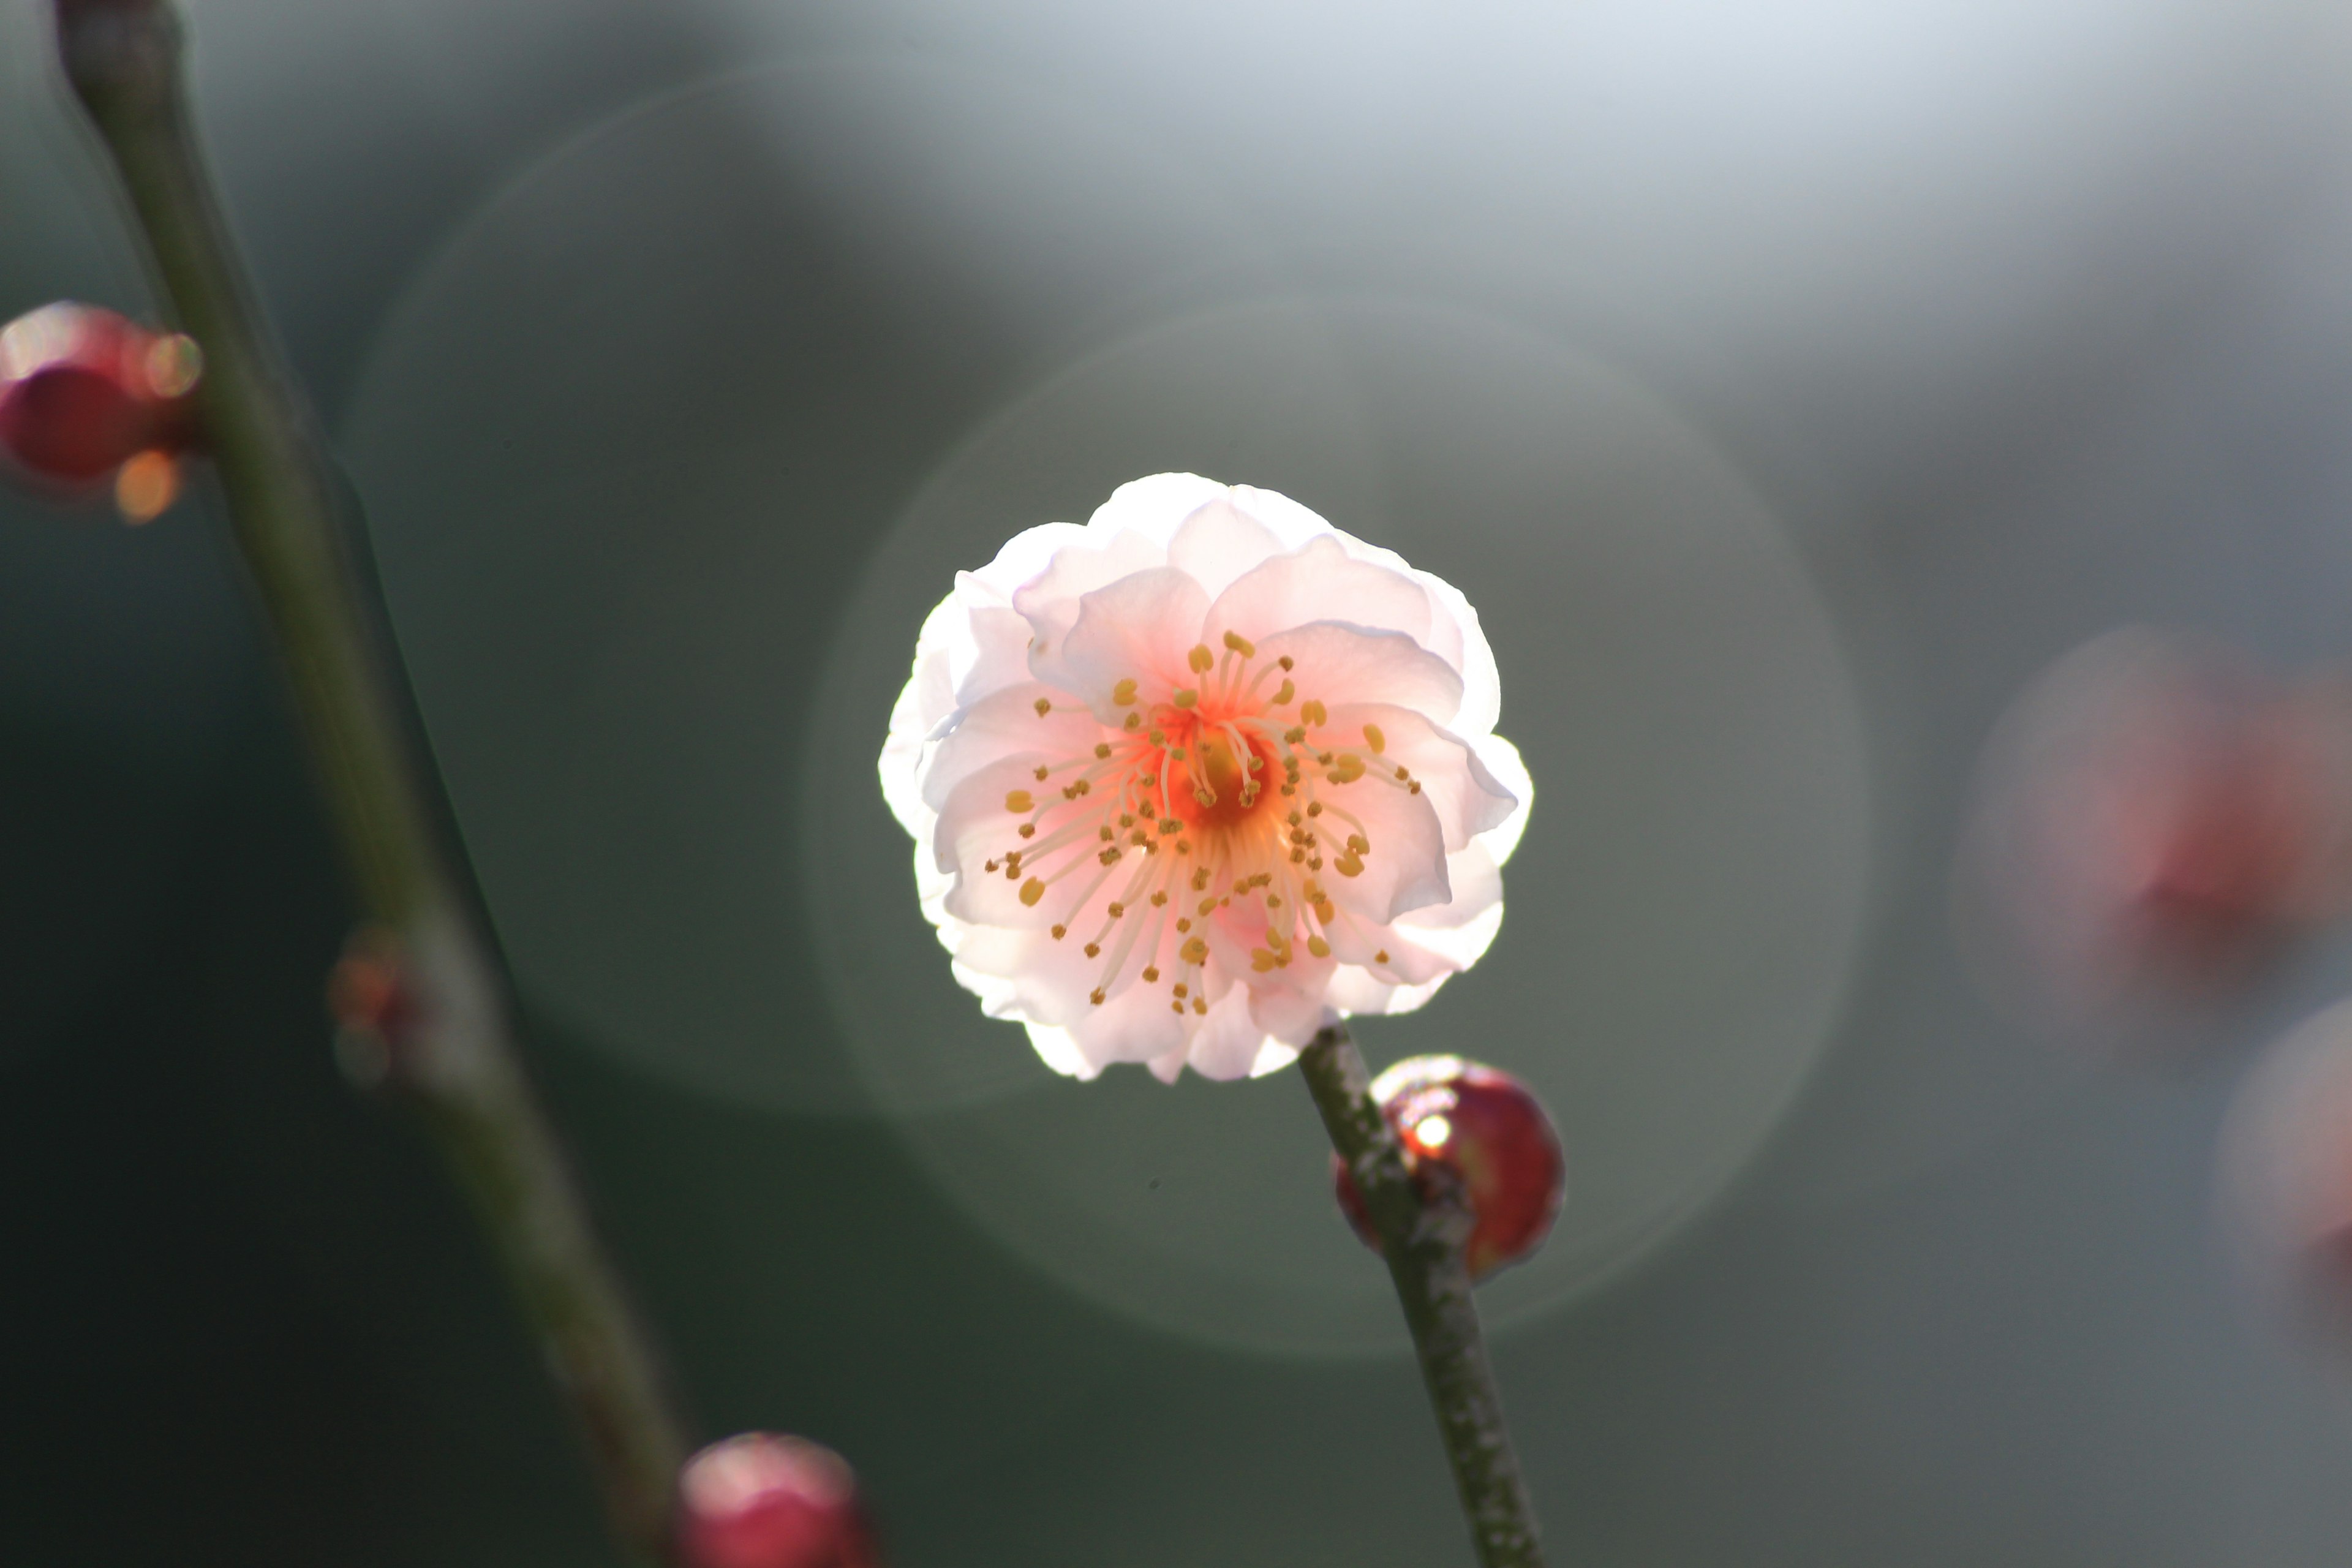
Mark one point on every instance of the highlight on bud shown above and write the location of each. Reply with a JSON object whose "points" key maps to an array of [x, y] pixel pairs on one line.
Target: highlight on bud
{"points": [[2153, 820], [1491, 1131], [90, 401], [761, 1500]]}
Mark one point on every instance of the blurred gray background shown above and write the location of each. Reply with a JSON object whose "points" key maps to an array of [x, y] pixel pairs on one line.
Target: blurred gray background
{"points": [[1786, 386]]}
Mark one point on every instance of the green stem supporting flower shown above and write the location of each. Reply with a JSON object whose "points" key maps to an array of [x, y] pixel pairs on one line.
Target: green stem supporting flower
{"points": [[1423, 1227], [457, 1062]]}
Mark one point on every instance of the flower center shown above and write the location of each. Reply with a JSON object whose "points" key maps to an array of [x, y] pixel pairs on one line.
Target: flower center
{"points": [[1218, 804]]}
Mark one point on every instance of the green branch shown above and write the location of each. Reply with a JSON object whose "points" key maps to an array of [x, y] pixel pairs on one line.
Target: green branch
{"points": [[1422, 1226], [457, 1060]]}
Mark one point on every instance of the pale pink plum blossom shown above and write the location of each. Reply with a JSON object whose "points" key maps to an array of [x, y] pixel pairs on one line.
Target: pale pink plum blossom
{"points": [[1192, 780]]}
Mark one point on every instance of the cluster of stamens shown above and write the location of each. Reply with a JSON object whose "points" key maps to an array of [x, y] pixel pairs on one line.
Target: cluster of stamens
{"points": [[1222, 794]]}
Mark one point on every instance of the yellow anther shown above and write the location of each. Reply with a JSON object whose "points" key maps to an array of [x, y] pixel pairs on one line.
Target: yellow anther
{"points": [[1200, 879], [1018, 800], [1241, 644], [1159, 897], [1096, 997], [1359, 844], [1287, 662], [1109, 857], [1156, 737], [1206, 905], [1382, 956], [1181, 989], [1175, 1006], [1170, 825], [1150, 974], [1241, 885], [1200, 1005], [1043, 705], [1294, 734], [1314, 809], [1413, 787], [1184, 924], [1032, 890], [1094, 950], [1028, 830], [1296, 856], [1346, 770], [1318, 947], [1312, 712], [1106, 834], [1325, 912], [1061, 931], [1261, 960], [1102, 748], [1284, 693], [1372, 738], [1186, 697], [1349, 866], [1135, 720], [1201, 657], [1273, 901], [1196, 950], [1042, 770], [1124, 692]]}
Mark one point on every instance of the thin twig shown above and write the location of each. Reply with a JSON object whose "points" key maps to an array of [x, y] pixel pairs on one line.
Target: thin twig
{"points": [[457, 1060], [1422, 1226]]}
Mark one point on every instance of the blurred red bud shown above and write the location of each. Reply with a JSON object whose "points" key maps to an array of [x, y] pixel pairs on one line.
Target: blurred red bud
{"points": [[760, 1500], [2285, 1180], [2154, 818], [87, 395], [1487, 1127]]}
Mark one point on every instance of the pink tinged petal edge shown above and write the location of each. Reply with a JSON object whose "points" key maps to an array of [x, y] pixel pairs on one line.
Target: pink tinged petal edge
{"points": [[1005, 724], [1340, 662], [1467, 798], [1406, 869], [1140, 628], [1052, 600], [1219, 542], [1321, 583]]}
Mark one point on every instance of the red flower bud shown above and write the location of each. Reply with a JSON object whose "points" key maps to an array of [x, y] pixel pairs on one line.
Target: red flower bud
{"points": [[87, 394], [758, 1500], [2154, 822], [1491, 1131]]}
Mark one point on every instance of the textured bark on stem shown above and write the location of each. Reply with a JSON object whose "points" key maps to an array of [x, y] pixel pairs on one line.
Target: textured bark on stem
{"points": [[1423, 1227], [459, 1063]]}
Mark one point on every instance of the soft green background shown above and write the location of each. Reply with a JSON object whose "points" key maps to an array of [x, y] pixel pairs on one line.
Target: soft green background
{"points": [[1786, 387]]}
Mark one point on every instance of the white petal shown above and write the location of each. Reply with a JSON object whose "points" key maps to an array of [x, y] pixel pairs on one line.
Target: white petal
{"points": [[1229, 1038], [1061, 1053], [1502, 761], [1154, 509]]}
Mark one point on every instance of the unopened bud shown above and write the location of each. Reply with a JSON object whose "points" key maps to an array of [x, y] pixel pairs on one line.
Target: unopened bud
{"points": [[760, 1500], [87, 396], [1489, 1131]]}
